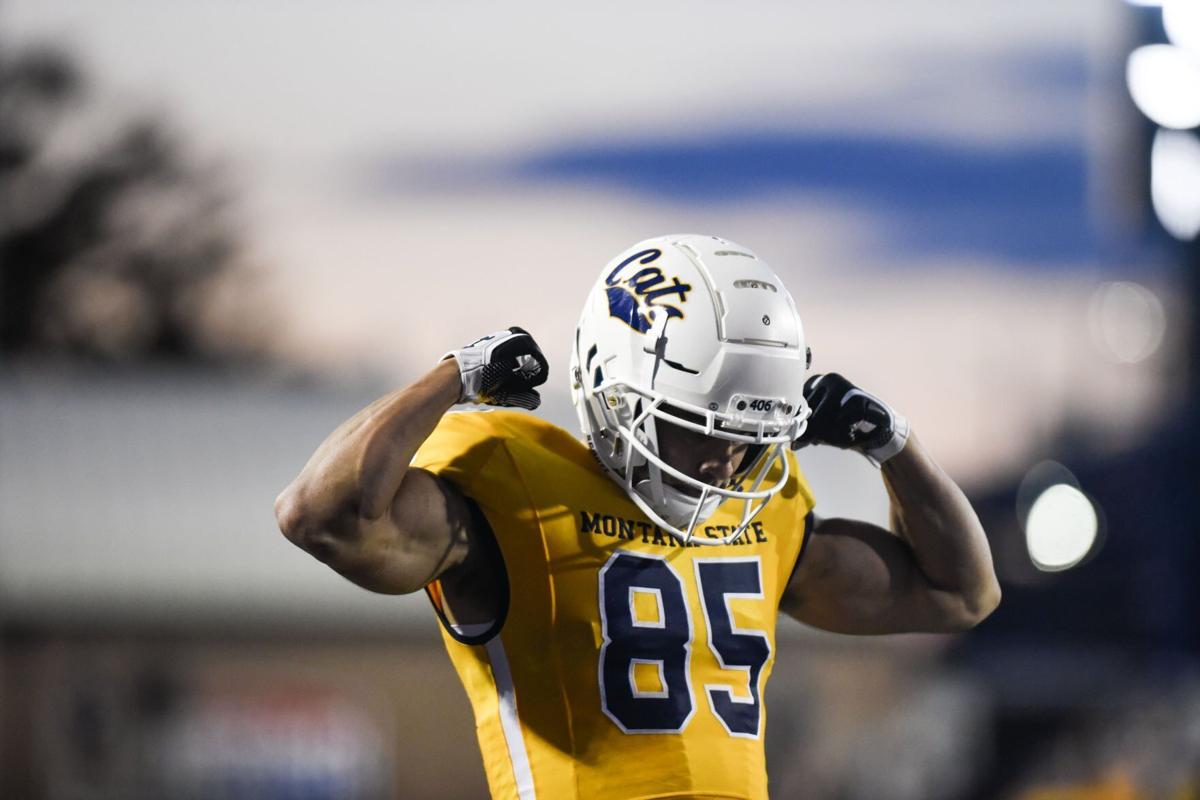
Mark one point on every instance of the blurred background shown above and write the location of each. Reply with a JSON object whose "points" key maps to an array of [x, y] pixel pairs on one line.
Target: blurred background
{"points": [[225, 227]]}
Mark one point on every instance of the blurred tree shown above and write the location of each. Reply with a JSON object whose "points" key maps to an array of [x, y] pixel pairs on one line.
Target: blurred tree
{"points": [[117, 253]]}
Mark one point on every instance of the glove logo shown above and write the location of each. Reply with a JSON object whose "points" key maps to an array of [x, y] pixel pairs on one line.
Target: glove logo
{"points": [[862, 428], [501, 369], [528, 367], [629, 296]]}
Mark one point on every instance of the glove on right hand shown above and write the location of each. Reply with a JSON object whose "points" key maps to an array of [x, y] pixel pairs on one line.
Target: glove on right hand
{"points": [[501, 369]]}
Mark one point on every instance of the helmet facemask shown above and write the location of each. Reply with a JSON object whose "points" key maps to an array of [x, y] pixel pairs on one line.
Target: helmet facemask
{"points": [[674, 500]]}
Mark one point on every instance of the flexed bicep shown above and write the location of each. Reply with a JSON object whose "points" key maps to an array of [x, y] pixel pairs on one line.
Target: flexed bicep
{"points": [[859, 578], [425, 531]]}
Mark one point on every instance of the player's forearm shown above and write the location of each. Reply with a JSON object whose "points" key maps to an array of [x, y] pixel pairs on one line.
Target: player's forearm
{"points": [[357, 470], [933, 515]]}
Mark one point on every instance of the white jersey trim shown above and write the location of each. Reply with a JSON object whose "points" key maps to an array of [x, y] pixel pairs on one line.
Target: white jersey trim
{"points": [[472, 629], [510, 723]]}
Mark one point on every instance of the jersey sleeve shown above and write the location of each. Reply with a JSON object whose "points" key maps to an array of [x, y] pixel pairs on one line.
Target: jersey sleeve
{"points": [[467, 449]]}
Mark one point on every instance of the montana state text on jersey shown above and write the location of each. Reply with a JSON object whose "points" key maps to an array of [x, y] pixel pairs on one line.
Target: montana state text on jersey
{"points": [[621, 528], [627, 664]]}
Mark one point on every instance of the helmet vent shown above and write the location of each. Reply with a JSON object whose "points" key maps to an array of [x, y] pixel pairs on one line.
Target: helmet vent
{"points": [[735, 253], [752, 284], [760, 342], [597, 377]]}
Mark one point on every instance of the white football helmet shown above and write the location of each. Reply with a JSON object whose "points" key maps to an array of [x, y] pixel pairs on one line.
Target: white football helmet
{"points": [[700, 332]]}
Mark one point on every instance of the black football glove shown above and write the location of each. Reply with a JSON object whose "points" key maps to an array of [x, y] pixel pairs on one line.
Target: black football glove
{"points": [[501, 369], [847, 417]]}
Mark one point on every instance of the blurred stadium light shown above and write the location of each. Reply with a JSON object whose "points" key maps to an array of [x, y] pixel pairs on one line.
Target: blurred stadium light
{"points": [[1181, 20], [1162, 80], [1127, 321], [1060, 528], [1175, 181]]}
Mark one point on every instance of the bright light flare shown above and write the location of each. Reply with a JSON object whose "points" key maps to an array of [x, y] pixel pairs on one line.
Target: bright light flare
{"points": [[1181, 19], [1164, 82], [1175, 182], [1061, 528]]}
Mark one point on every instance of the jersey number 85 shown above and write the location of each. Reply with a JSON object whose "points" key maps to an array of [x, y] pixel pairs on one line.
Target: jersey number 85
{"points": [[664, 643]]}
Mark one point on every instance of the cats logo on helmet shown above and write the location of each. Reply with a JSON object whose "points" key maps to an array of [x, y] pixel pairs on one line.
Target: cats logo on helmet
{"points": [[647, 284]]}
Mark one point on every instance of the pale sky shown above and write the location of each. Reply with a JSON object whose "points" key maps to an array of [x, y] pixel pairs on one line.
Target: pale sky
{"points": [[309, 103]]}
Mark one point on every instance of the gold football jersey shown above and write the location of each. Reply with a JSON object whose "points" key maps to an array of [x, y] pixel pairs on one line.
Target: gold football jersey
{"points": [[626, 664]]}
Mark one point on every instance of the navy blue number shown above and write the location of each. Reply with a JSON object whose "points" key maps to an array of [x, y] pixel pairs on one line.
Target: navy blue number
{"points": [[663, 643], [743, 650]]}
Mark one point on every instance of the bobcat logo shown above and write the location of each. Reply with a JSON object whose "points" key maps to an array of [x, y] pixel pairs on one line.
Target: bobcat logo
{"points": [[628, 297]]}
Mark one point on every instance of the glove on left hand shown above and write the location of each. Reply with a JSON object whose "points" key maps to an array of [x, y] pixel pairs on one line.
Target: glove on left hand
{"points": [[845, 416]]}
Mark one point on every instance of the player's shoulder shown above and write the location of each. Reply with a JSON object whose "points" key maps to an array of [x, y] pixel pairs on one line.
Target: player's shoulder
{"points": [[796, 487], [503, 426], [485, 451], [497, 423]]}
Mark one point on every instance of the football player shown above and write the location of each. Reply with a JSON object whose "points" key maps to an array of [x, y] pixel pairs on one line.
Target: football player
{"points": [[610, 605]]}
